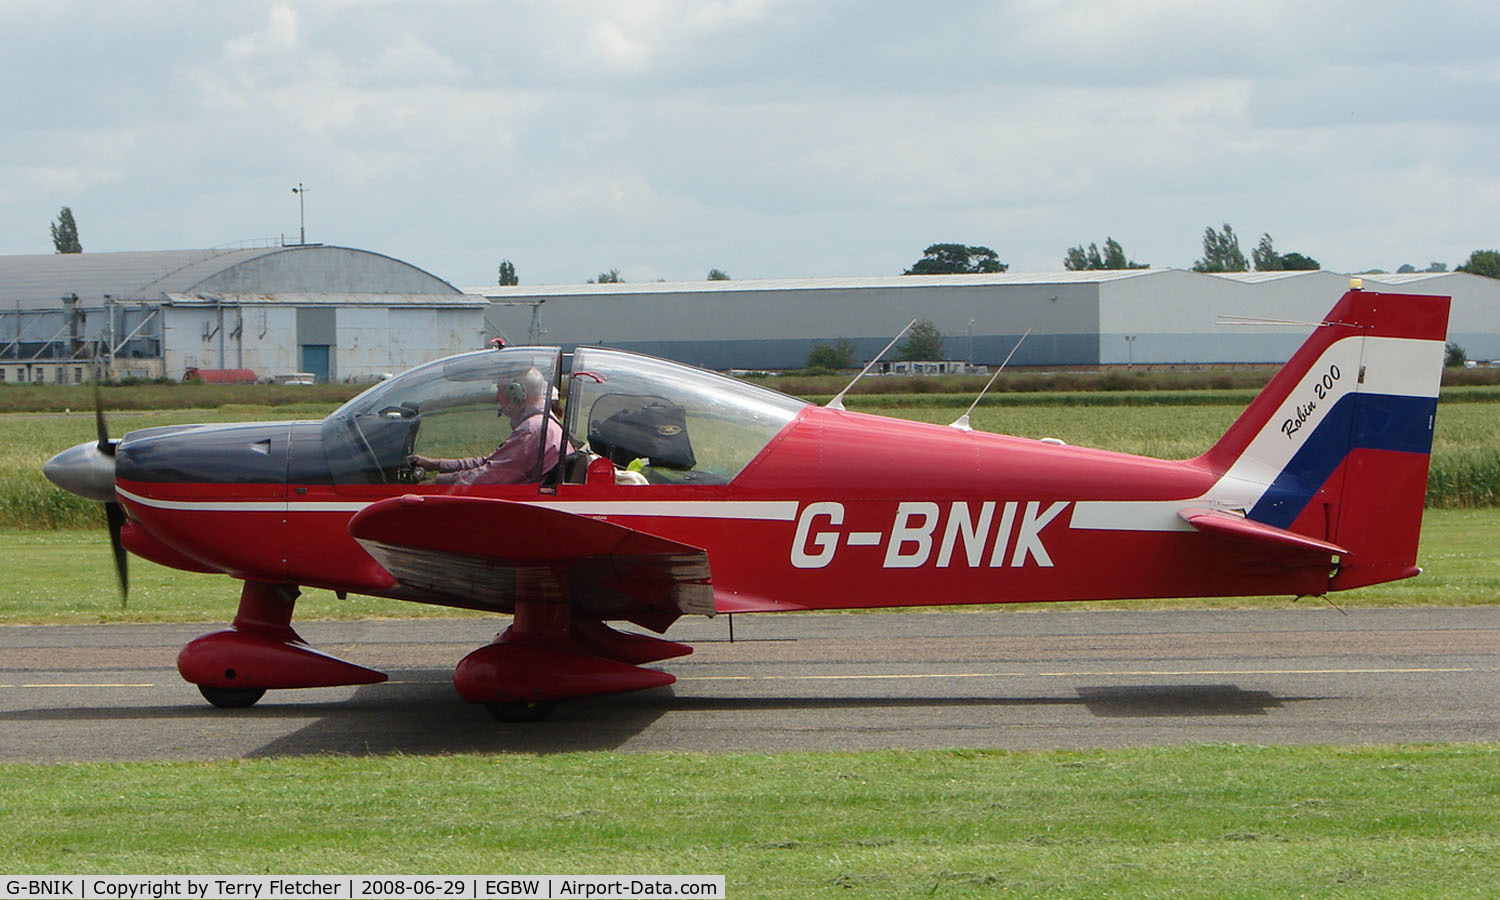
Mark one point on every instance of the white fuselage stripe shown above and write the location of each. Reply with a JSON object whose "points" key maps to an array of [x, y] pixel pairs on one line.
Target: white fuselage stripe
{"points": [[762, 510], [207, 505], [759, 510]]}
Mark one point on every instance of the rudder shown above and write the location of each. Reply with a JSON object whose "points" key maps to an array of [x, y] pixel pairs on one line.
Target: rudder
{"points": [[1337, 445]]}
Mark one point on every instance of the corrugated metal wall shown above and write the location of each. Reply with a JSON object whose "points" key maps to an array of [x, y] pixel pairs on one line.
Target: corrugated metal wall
{"points": [[1155, 316]]}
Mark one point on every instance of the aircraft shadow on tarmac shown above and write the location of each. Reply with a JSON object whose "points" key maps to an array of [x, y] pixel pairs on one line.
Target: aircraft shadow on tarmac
{"points": [[419, 713], [434, 721], [1133, 701]]}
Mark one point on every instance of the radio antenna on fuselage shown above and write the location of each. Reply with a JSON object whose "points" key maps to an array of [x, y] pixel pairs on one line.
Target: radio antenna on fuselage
{"points": [[962, 423], [838, 401]]}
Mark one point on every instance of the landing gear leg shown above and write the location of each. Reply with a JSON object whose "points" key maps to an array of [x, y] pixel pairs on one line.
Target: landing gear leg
{"points": [[547, 655]]}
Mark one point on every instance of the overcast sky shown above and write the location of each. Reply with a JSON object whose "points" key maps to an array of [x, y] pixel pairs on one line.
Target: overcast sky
{"points": [[765, 138]]}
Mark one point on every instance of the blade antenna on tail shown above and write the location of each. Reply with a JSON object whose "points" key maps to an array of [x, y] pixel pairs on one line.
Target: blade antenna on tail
{"points": [[838, 401], [962, 422], [1257, 320]]}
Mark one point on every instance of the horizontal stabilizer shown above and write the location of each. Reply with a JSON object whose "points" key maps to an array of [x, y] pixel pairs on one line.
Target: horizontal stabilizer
{"points": [[1210, 521]]}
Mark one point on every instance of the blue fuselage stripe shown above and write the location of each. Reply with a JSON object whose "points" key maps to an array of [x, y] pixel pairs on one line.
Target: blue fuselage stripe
{"points": [[1357, 421]]}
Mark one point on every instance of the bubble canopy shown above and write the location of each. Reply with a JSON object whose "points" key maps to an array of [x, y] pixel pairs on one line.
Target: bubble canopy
{"points": [[675, 424]]}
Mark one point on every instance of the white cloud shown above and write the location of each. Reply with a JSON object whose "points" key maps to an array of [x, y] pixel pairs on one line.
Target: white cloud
{"points": [[764, 136], [615, 48], [412, 62], [279, 36], [69, 180]]}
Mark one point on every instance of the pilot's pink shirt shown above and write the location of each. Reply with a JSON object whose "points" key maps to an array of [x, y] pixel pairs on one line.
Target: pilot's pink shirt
{"points": [[514, 461]]}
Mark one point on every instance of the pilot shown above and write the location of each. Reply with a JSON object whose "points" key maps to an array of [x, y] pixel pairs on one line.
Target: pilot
{"points": [[524, 401]]}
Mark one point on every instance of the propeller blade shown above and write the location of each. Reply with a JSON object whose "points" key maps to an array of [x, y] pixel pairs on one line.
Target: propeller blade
{"points": [[105, 445], [114, 514]]}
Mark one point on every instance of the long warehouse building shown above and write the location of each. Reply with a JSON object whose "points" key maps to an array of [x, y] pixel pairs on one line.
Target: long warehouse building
{"points": [[1075, 318]]}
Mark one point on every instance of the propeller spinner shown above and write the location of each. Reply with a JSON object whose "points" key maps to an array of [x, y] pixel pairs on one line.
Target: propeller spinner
{"points": [[88, 470]]}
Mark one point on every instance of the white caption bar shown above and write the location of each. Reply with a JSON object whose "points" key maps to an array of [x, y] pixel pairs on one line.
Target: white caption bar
{"points": [[362, 887]]}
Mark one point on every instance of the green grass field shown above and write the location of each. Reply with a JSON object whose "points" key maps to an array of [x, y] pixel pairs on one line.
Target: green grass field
{"points": [[1221, 821], [1225, 821]]}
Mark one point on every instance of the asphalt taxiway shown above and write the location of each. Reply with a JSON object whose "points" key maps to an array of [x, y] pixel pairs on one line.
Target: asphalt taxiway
{"points": [[992, 677]]}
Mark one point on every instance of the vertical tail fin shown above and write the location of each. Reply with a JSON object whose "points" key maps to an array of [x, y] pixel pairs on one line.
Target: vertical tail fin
{"points": [[1337, 445]]}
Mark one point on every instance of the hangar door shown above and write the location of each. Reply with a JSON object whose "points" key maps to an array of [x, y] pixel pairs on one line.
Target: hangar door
{"points": [[317, 331]]}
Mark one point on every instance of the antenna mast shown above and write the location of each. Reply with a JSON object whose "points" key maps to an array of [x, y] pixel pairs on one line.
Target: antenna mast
{"points": [[301, 193], [962, 423], [838, 401]]}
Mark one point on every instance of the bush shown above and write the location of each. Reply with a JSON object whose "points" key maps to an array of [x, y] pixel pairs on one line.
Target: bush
{"points": [[832, 357]]}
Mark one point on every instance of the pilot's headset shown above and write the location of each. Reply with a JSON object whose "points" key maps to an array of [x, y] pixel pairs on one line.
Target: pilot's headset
{"points": [[514, 393], [515, 390]]}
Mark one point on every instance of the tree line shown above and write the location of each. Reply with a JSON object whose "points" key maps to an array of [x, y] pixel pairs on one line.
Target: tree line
{"points": [[1221, 253]]}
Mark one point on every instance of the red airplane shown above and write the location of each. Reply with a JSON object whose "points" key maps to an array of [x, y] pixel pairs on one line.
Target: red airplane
{"points": [[679, 491]]}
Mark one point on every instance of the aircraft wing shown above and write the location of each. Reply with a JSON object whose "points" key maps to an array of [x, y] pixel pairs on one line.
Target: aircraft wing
{"points": [[1212, 521], [484, 553]]}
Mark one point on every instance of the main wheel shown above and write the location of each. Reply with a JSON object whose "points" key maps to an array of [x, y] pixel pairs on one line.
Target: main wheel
{"points": [[231, 698], [521, 710]]}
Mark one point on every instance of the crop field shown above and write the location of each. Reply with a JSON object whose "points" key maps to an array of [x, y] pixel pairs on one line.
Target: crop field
{"points": [[1169, 425], [27, 500]]}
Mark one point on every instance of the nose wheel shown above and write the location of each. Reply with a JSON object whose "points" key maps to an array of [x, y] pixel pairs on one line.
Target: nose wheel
{"points": [[231, 698]]}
